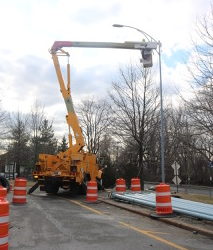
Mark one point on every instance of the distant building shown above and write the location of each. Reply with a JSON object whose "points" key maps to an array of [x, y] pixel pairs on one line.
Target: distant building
{"points": [[7, 169]]}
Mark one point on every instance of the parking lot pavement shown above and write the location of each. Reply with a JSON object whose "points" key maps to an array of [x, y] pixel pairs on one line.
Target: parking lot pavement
{"points": [[66, 222]]}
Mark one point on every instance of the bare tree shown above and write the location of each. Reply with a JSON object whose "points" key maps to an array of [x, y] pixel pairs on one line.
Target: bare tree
{"points": [[200, 107], [18, 150], [95, 120], [37, 117], [135, 105], [201, 65], [3, 127]]}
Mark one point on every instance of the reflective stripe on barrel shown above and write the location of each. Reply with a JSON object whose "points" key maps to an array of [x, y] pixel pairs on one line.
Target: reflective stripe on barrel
{"points": [[3, 240], [163, 204], [20, 188], [92, 188], [4, 219], [163, 194], [92, 195]]}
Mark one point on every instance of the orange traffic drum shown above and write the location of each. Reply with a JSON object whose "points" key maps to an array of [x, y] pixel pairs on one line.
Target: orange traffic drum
{"points": [[135, 185], [20, 191], [163, 199], [92, 191], [4, 223], [120, 185]]}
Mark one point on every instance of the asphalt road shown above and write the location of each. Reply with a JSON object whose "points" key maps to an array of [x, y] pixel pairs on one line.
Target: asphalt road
{"points": [[65, 222]]}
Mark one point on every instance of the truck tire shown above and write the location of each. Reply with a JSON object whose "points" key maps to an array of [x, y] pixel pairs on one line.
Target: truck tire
{"points": [[5, 183], [83, 187], [100, 184], [51, 188]]}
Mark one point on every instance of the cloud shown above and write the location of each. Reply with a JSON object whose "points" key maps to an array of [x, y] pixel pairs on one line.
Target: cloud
{"points": [[94, 13], [35, 78], [31, 77]]}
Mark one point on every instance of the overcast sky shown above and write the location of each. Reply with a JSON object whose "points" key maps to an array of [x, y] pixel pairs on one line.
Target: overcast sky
{"points": [[29, 28]]}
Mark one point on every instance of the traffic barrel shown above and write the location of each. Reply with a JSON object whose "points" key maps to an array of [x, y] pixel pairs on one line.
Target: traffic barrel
{"points": [[92, 191], [135, 185], [3, 192], [4, 223], [163, 199], [20, 191], [120, 185]]}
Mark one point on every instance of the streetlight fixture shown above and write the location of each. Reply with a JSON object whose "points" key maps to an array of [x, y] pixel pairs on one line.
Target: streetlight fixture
{"points": [[150, 39]]}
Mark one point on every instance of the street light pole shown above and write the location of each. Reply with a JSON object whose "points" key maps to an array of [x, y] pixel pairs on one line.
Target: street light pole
{"points": [[162, 147]]}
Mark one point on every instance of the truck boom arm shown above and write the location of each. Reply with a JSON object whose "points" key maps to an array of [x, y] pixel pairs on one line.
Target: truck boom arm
{"points": [[57, 45]]}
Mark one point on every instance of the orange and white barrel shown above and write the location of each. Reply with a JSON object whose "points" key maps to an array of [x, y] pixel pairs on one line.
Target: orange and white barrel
{"points": [[20, 191], [4, 223], [120, 185], [3, 192], [135, 185], [163, 199], [92, 191]]}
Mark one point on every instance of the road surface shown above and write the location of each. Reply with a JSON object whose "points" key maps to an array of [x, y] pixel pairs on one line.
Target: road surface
{"points": [[66, 222]]}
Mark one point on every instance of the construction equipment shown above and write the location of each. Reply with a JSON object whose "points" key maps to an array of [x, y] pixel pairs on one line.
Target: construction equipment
{"points": [[73, 168]]}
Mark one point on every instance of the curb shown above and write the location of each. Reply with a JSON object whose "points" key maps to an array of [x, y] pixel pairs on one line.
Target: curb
{"points": [[165, 220]]}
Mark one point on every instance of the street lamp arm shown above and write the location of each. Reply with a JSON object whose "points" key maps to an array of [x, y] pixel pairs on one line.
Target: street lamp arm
{"points": [[141, 31]]}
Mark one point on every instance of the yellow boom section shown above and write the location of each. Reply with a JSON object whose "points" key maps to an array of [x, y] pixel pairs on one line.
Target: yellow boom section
{"points": [[72, 119]]}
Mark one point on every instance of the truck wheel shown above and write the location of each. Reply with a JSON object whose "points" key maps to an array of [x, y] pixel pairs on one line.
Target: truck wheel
{"points": [[83, 187], [51, 188], [100, 184], [5, 183]]}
